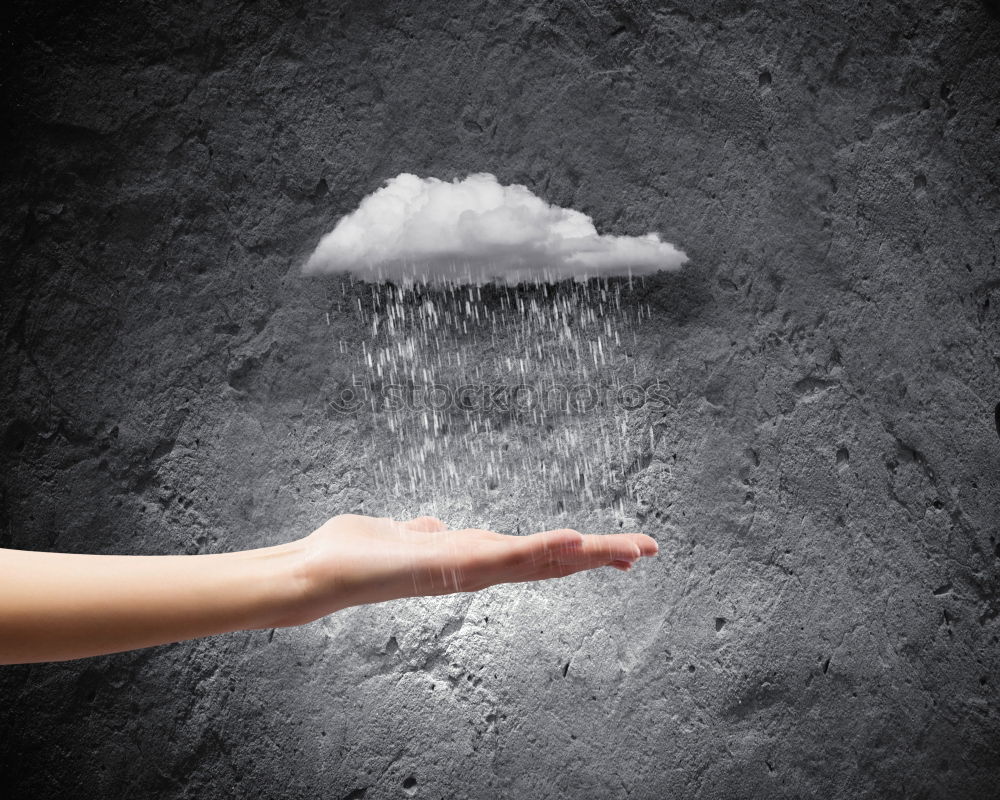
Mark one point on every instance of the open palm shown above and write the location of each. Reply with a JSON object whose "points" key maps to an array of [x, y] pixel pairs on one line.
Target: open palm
{"points": [[353, 559]]}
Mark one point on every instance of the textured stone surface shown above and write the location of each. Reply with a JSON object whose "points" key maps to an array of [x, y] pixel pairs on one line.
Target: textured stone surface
{"points": [[824, 619]]}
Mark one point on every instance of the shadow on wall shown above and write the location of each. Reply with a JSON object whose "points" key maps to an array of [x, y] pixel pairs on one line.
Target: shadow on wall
{"points": [[677, 296]]}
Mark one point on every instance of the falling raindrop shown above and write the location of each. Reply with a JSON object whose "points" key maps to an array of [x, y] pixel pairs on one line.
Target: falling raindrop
{"points": [[498, 388]]}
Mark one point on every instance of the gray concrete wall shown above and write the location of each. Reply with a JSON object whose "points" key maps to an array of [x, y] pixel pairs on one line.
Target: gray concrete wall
{"points": [[824, 617]]}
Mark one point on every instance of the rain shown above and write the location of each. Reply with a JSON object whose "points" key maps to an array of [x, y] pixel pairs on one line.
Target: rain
{"points": [[480, 386]]}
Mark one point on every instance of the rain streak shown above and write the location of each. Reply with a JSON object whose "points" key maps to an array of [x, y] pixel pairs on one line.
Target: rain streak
{"points": [[484, 386]]}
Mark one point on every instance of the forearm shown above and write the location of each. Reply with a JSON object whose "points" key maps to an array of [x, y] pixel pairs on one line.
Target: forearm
{"points": [[59, 606]]}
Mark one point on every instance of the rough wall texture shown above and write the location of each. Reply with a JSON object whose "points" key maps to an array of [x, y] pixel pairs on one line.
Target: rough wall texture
{"points": [[824, 619]]}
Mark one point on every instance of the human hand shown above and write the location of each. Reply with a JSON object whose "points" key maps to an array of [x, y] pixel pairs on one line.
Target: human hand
{"points": [[57, 606], [352, 560]]}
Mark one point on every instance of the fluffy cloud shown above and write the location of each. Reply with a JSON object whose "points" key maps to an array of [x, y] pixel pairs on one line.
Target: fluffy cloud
{"points": [[476, 230]]}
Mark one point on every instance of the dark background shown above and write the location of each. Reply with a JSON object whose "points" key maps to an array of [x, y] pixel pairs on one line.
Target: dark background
{"points": [[824, 618]]}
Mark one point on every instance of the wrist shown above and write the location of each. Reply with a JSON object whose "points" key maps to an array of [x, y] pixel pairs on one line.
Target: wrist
{"points": [[281, 573]]}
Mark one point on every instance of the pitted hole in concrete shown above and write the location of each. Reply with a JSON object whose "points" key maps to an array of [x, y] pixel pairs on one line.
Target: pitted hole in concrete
{"points": [[843, 458], [720, 623], [919, 182], [764, 80], [410, 785], [320, 190]]}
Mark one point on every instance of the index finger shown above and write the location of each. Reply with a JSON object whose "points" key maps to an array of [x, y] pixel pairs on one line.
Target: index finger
{"points": [[647, 544], [617, 546]]}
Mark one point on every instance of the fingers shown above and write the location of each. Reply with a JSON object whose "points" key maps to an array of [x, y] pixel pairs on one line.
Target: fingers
{"points": [[564, 546], [486, 558], [587, 547], [619, 550], [618, 547], [647, 544], [557, 570], [555, 554], [539, 548]]}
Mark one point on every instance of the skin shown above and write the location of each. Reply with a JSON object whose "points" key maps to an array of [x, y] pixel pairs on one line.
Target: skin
{"points": [[57, 606]]}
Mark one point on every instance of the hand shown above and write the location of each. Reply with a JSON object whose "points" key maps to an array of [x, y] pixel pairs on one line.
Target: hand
{"points": [[353, 559], [59, 605]]}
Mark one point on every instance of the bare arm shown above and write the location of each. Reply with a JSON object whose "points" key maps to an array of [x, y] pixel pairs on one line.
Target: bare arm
{"points": [[56, 606]]}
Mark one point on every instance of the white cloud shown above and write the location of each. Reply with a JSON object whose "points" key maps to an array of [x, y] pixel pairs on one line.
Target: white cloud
{"points": [[475, 230]]}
